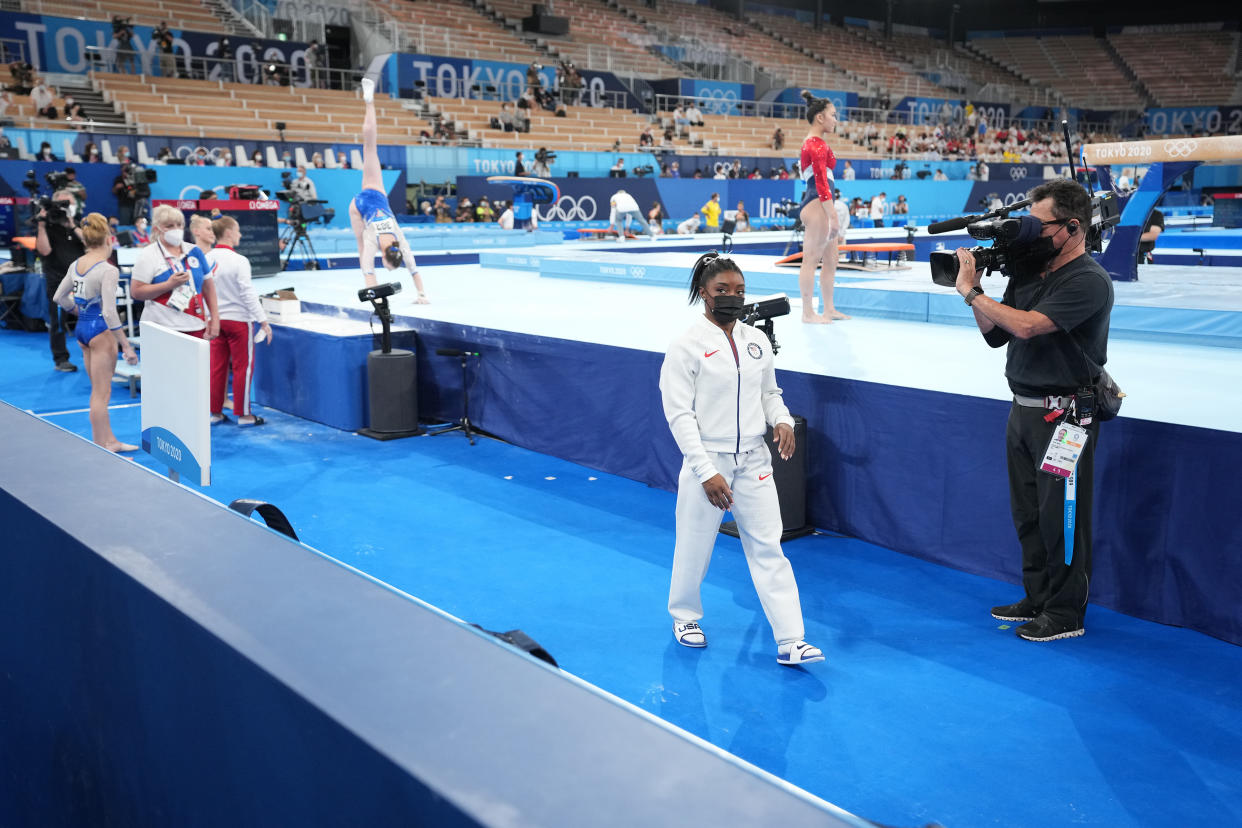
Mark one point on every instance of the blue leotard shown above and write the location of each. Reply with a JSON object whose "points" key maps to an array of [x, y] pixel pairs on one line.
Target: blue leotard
{"points": [[90, 311], [372, 205]]}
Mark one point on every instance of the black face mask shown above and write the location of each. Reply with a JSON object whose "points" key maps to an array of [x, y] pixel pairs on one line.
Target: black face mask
{"points": [[726, 309]]}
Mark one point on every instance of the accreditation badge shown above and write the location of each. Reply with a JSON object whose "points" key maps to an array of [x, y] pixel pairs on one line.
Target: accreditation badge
{"points": [[1064, 449]]}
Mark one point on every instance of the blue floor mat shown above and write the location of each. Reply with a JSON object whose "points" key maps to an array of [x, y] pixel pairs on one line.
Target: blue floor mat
{"points": [[926, 709]]}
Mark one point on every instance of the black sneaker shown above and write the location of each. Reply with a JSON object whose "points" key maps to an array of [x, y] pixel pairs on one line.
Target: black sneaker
{"points": [[66, 367], [1021, 611], [1044, 628]]}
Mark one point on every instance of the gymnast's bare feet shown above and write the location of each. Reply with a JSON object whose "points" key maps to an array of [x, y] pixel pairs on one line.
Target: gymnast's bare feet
{"points": [[833, 313], [815, 319], [120, 448]]}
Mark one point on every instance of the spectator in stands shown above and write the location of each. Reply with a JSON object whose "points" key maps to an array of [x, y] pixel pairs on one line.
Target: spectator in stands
{"points": [[697, 174], [902, 207], [43, 97], [674, 170], [483, 211], [73, 109], [224, 53], [201, 158], [680, 121], [574, 84], [848, 174], [616, 145], [646, 138], [741, 219], [224, 158], [1151, 232], [256, 159], [694, 115], [666, 141], [21, 76], [286, 159], [519, 165], [722, 173], [505, 119], [6, 102], [690, 226], [818, 216], [983, 172], [656, 217], [778, 140], [315, 61], [239, 306], [465, 210], [370, 216], [88, 289], [342, 160], [712, 210], [317, 161], [444, 215], [521, 116], [879, 206], [533, 80], [940, 176], [45, 152], [617, 170], [163, 155], [302, 186]]}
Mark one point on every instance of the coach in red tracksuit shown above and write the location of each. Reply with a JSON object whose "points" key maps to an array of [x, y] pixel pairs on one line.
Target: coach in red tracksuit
{"points": [[239, 305]]}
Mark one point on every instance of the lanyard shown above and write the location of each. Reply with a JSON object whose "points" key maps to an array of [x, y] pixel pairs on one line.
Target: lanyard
{"points": [[1071, 503]]}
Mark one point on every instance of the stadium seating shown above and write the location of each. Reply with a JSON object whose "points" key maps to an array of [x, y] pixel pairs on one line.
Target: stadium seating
{"points": [[599, 38], [1079, 67], [1160, 60], [212, 109], [452, 27], [180, 16]]}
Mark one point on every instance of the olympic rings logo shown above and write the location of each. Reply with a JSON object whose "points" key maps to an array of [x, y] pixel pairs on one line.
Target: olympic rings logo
{"points": [[638, 272], [719, 101], [568, 208], [1180, 149], [1017, 173], [185, 152]]}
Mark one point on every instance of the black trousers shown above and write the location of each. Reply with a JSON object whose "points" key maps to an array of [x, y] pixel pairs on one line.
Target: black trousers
{"points": [[58, 320], [1037, 501]]}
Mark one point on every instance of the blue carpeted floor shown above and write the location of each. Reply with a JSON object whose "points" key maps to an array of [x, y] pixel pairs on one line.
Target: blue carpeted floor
{"points": [[926, 709]]}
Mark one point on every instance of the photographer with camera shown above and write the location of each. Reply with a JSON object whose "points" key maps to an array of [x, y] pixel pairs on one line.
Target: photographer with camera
{"points": [[719, 392], [543, 163], [122, 44], [163, 40], [59, 242], [1054, 318]]}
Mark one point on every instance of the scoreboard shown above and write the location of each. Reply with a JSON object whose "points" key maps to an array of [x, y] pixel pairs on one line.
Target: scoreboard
{"points": [[257, 219], [1227, 210]]}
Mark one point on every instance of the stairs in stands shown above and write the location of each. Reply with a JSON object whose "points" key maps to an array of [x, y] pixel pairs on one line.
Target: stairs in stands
{"points": [[232, 20], [1141, 88], [101, 114]]}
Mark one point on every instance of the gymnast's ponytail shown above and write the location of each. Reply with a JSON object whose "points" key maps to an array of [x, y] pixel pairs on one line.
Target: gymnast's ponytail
{"points": [[708, 265]]}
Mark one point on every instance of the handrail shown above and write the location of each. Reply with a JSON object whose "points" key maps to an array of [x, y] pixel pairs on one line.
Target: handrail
{"points": [[243, 67]]}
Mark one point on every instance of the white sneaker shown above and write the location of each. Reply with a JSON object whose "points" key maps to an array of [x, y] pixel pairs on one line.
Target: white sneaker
{"points": [[368, 90], [799, 652], [689, 634]]}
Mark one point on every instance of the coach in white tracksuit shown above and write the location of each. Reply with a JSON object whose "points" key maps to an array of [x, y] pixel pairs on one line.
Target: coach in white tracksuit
{"points": [[718, 385]]}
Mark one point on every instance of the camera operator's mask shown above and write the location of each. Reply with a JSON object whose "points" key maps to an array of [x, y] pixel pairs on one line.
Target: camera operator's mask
{"points": [[1031, 257], [70, 206], [725, 308]]}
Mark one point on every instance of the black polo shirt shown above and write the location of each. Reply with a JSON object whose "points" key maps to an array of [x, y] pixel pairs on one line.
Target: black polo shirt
{"points": [[66, 249], [1078, 297]]}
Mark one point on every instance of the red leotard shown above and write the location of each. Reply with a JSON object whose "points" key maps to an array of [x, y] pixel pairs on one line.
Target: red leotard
{"points": [[818, 162]]}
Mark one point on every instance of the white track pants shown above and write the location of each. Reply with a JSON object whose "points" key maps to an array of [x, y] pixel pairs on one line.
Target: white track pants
{"points": [[758, 515]]}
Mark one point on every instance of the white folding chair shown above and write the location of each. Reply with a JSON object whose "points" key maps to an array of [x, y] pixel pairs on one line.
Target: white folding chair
{"points": [[144, 157], [19, 141], [70, 156], [273, 160], [329, 159], [105, 150], [299, 157], [355, 159], [240, 156]]}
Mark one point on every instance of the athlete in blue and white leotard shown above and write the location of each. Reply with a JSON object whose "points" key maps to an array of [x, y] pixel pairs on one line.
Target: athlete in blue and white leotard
{"points": [[372, 220]]}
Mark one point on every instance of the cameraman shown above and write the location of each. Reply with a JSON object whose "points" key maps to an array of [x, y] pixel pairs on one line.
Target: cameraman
{"points": [[1054, 318], [58, 240], [543, 163], [303, 187]]}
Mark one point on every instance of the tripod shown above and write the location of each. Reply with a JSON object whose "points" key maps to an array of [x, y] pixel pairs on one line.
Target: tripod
{"points": [[795, 236], [464, 423], [296, 239]]}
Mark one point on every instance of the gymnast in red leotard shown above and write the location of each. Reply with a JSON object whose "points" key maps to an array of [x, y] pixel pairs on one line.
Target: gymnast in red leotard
{"points": [[819, 218]]}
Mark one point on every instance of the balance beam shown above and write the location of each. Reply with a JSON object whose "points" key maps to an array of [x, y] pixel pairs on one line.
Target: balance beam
{"points": [[1216, 148]]}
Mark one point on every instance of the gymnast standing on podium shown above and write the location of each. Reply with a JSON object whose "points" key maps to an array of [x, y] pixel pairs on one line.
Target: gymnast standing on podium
{"points": [[818, 216], [375, 227]]}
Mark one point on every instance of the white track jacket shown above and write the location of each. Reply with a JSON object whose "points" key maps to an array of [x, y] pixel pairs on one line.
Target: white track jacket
{"points": [[720, 393]]}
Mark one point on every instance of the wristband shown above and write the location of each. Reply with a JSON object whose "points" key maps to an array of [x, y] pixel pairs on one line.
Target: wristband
{"points": [[973, 294]]}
